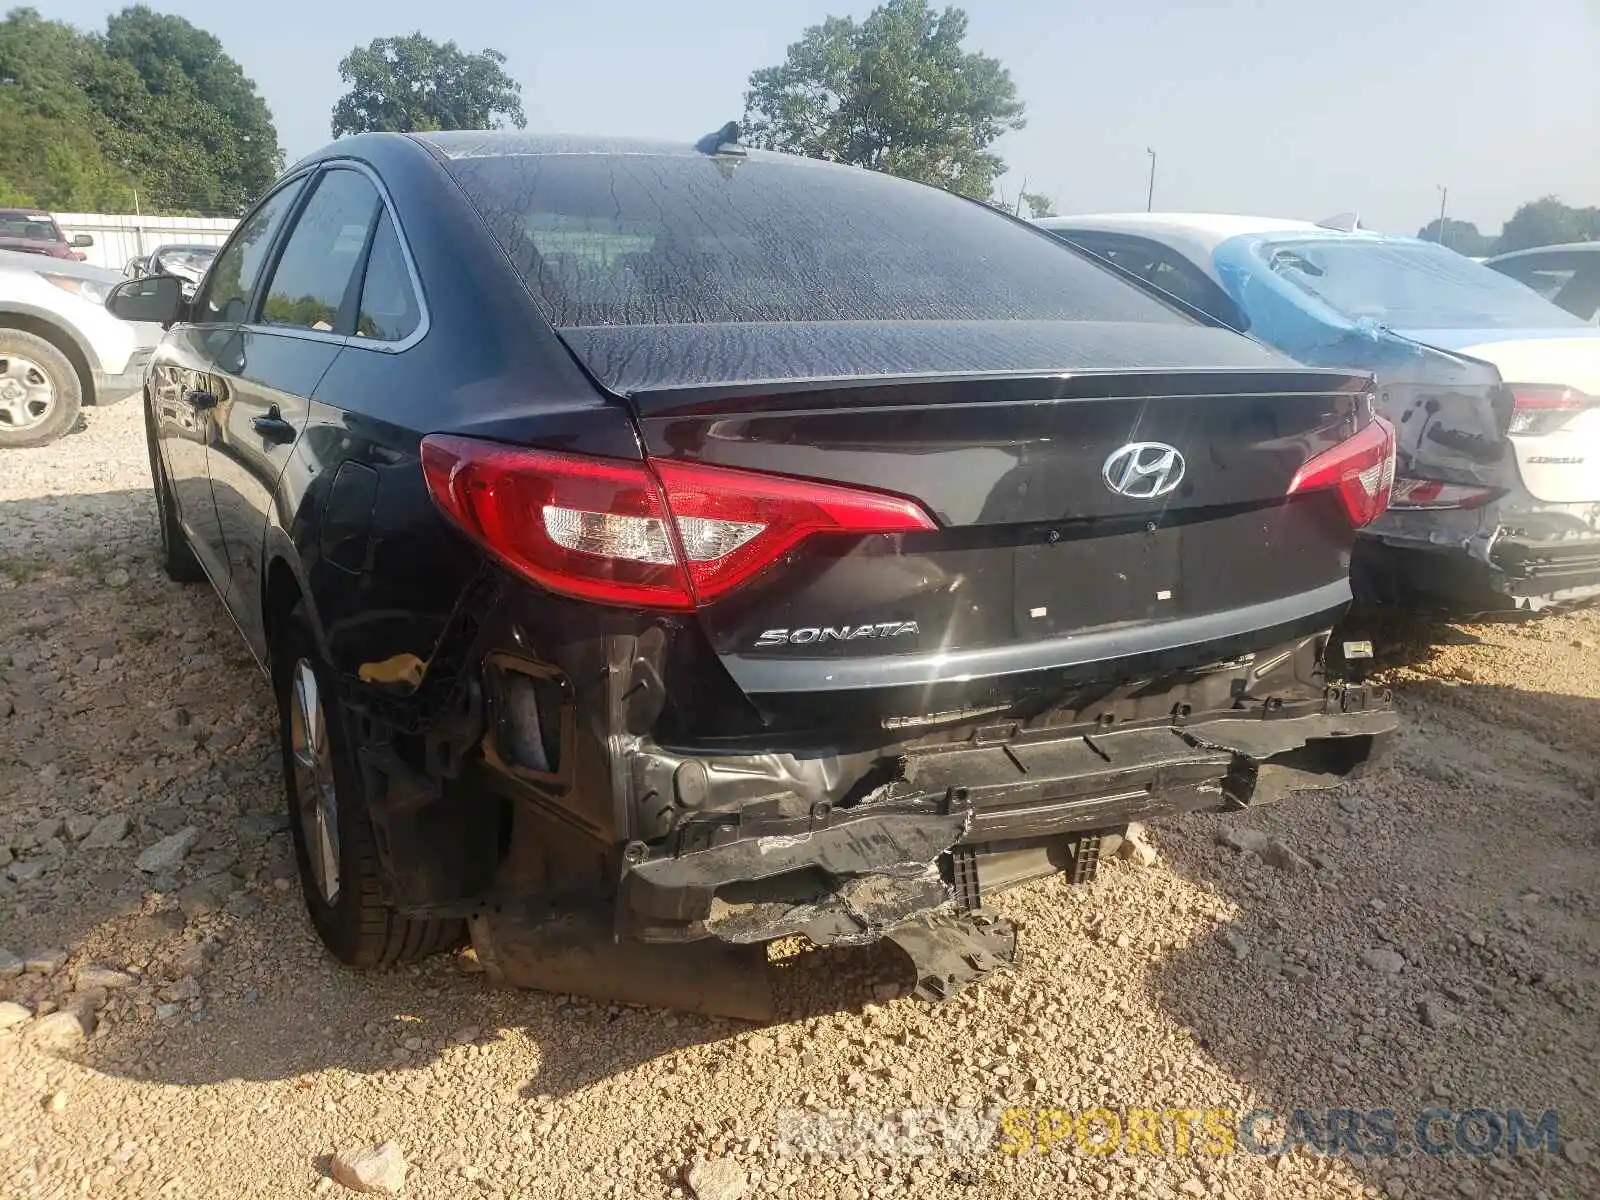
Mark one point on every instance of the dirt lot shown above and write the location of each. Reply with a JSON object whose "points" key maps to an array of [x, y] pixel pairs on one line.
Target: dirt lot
{"points": [[1429, 937]]}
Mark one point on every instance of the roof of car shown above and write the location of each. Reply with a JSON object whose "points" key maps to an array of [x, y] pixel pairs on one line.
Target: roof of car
{"points": [[1531, 251], [1222, 225], [472, 143], [1206, 230]]}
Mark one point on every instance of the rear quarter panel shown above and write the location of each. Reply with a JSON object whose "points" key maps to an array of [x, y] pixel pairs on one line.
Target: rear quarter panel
{"points": [[1447, 409], [486, 366]]}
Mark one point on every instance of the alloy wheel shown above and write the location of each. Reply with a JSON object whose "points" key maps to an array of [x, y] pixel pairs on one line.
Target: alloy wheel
{"points": [[316, 793]]}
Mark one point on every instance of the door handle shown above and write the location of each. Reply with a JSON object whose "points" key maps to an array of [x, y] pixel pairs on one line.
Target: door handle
{"points": [[200, 398], [272, 427]]}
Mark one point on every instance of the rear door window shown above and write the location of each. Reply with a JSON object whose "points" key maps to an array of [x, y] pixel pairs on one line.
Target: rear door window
{"points": [[226, 298], [311, 286], [389, 309], [667, 239], [1166, 269], [1570, 281]]}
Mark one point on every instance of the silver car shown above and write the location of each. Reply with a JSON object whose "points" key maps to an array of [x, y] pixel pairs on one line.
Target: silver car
{"points": [[59, 347]]}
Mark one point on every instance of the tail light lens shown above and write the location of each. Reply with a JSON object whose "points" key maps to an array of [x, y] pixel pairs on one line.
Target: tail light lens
{"points": [[1542, 408], [1360, 470], [656, 534], [1431, 493]]}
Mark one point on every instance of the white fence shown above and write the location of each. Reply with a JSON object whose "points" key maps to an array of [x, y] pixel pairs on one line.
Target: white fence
{"points": [[119, 238]]}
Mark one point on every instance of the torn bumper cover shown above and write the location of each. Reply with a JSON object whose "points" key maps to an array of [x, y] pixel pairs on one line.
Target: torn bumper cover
{"points": [[955, 822], [1516, 553]]}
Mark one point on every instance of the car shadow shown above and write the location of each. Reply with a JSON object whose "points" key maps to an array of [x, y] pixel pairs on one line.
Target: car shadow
{"points": [[1442, 963], [132, 697]]}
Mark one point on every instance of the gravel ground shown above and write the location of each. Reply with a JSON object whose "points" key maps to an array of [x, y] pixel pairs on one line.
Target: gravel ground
{"points": [[1429, 936]]}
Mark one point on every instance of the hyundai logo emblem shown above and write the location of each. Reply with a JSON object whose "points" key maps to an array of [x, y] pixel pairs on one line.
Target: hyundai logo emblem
{"points": [[1143, 470]]}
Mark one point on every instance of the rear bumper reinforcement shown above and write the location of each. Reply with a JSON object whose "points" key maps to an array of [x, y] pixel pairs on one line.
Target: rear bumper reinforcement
{"points": [[847, 875]]}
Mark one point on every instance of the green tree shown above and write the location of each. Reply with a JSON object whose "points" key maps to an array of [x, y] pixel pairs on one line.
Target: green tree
{"points": [[153, 106], [895, 92], [199, 88], [1548, 222], [1038, 204], [1461, 236], [407, 84]]}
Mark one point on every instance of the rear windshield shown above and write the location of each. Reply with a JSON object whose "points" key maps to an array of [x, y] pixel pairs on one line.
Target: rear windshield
{"points": [[654, 239], [193, 258], [1410, 286], [33, 229]]}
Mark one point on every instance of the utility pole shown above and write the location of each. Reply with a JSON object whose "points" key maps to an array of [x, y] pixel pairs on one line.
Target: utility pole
{"points": [[1150, 196], [1444, 194], [1023, 192]]}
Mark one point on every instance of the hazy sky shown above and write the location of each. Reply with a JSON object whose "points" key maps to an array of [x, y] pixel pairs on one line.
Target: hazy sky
{"points": [[1282, 109]]}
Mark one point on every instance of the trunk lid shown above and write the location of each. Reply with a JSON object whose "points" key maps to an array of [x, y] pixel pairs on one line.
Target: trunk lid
{"points": [[1087, 512], [1558, 465]]}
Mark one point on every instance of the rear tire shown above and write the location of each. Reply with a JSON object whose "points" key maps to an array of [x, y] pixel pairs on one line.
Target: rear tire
{"points": [[177, 556], [40, 393], [340, 872]]}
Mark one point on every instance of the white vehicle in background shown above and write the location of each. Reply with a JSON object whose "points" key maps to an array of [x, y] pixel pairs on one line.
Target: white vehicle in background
{"points": [[1493, 391], [1567, 276], [59, 347]]}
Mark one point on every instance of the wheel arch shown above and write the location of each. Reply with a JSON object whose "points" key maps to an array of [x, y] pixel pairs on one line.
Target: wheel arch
{"points": [[285, 587], [64, 339]]}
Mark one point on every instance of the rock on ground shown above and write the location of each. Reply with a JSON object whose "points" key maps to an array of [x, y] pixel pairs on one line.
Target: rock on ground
{"points": [[380, 1169], [57, 1031], [1242, 838], [102, 977], [46, 962], [107, 832], [12, 1013], [169, 852], [717, 1179], [1383, 960]]}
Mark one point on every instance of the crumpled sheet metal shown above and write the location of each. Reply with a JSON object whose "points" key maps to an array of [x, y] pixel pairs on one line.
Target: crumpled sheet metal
{"points": [[1476, 530], [1447, 409]]}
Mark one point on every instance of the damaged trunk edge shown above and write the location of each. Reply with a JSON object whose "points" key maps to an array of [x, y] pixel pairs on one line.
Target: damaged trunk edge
{"points": [[1451, 413], [518, 782]]}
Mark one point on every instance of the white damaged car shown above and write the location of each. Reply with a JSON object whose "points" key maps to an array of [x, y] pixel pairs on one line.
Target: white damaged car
{"points": [[1493, 391]]}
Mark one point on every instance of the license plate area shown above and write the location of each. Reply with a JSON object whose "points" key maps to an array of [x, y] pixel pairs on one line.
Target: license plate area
{"points": [[1086, 582]]}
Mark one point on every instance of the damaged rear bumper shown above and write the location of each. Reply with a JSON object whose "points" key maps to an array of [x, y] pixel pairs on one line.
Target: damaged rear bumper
{"points": [[1514, 554], [958, 822]]}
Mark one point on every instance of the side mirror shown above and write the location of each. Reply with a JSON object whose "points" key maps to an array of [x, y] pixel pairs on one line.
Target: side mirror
{"points": [[154, 298], [80, 240]]}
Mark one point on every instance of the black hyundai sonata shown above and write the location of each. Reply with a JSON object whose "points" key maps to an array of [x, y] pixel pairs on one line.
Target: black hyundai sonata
{"points": [[738, 545]]}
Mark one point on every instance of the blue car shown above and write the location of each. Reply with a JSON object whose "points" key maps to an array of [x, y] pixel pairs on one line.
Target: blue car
{"points": [[1491, 388]]}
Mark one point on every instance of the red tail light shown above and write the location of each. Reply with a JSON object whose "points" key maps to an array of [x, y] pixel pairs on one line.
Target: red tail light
{"points": [[1360, 470], [1431, 494], [1540, 408], [657, 534]]}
